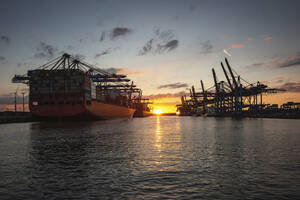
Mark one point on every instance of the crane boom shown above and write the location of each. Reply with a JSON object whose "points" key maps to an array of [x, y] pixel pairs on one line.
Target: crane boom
{"points": [[215, 80], [226, 75], [231, 73]]}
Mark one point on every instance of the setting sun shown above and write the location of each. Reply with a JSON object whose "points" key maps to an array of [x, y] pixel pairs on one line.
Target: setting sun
{"points": [[157, 111]]}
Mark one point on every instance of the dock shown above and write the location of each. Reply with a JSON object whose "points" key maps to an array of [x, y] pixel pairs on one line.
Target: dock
{"points": [[235, 97], [13, 117]]}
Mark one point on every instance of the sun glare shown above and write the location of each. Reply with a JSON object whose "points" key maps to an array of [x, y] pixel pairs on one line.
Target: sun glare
{"points": [[157, 111]]}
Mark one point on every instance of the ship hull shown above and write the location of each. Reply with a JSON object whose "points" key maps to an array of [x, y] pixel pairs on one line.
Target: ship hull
{"points": [[95, 110], [142, 114]]}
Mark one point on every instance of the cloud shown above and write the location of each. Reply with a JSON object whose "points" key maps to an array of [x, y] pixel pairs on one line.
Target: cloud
{"points": [[164, 35], [104, 52], [165, 95], [173, 44], [115, 33], [226, 52], [249, 38], [173, 85], [2, 59], [267, 37], [237, 46], [258, 64], [132, 72], [79, 56], [162, 41], [146, 48], [289, 62], [5, 39], [45, 51], [113, 70], [275, 62], [22, 64], [206, 47], [119, 31], [125, 71], [279, 79], [290, 86]]}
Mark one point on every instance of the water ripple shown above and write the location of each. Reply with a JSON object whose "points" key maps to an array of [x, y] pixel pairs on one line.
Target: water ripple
{"points": [[151, 158]]}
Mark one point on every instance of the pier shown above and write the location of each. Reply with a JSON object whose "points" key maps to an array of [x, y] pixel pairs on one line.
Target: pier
{"points": [[13, 117]]}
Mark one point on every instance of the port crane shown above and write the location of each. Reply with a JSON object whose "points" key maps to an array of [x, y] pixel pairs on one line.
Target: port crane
{"points": [[233, 96]]}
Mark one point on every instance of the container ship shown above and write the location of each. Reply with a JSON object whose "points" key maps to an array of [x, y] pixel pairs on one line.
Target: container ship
{"points": [[69, 88]]}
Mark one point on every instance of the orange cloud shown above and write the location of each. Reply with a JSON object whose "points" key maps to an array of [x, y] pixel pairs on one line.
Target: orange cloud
{"points": [[131, 72], [237, 46], [276, 62], [165, 95], [249, 38], [267, 37]]}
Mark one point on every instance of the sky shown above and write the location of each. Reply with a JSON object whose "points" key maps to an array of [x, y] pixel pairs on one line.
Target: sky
{"points": [[164, 46]]}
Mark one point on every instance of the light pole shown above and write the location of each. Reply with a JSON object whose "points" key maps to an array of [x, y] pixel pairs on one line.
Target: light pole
{"points": [[23, 101]]}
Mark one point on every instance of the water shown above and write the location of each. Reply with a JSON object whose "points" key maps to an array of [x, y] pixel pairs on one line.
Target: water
{"points": [[151, 158]]}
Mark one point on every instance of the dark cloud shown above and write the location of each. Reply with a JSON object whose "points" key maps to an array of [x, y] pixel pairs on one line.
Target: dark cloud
{"points": [[45, 51], [164, 35], [146, 48], [5, 39], [79, 56], [290, 86], [258, 64], [2, 59], [206, 47], [22, 64], [113, 70], [115, 33], [105, 52], [119, 31], [166, 95], [173, 86], [161, 42], [168, 47], [290, 63]]}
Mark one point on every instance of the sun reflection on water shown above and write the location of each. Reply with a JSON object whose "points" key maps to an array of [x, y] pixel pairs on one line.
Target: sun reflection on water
{"points": [[167, 145], [158, 135]]}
